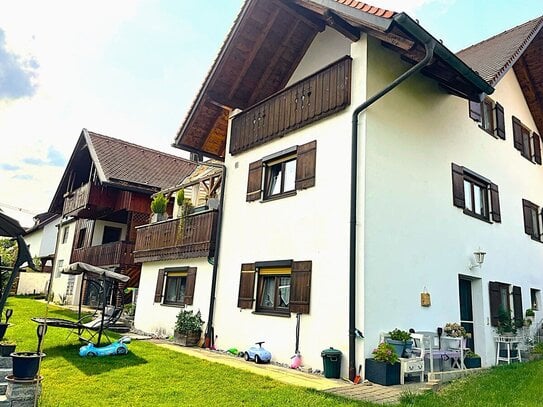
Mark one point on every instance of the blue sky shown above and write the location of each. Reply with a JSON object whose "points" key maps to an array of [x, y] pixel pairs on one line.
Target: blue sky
{"points": [[131, 68]]}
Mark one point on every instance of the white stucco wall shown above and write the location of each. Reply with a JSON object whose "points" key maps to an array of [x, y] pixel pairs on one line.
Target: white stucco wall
{"points": [[98, 232], [33, 241], [415, 237], [49, 239], [64, 252], [32, 283], [312, 225], [157, 318]]}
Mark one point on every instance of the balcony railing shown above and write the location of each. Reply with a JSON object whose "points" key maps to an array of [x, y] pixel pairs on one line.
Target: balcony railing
{"points": [[110, 254], [167, 240], [311, 99], [77, 200]]}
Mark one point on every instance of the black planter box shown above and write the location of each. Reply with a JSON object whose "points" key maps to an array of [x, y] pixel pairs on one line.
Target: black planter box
{"points": [[382, 373], [472, 363]]}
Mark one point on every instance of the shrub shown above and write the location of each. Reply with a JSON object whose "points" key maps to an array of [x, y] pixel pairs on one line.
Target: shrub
{"points": [[187, 322], [159, 203], [399, 335], [385, 353]]}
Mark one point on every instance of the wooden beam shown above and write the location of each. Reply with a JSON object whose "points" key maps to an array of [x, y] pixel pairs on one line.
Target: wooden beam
{"points": [[303, 14], [256, 47], [273, 62], [390, 38], [341, 26], [530, 90]]}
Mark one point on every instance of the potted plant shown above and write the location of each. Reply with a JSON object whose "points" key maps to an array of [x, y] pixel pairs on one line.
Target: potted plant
{"points": [[400, 341], [7, 347], [455, 330], [471, 359], [188, 328], [26, 364], [158, 207], [506, 324], [384, 367], [530, 316]]}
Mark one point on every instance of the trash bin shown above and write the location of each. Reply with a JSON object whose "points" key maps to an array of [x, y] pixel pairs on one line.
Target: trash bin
{"points": [[331, 359]]}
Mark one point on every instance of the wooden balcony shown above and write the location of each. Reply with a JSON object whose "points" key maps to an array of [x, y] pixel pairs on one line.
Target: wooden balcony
{"points": [[119, 254], [89, 200], [316, 97], [165, 241]]}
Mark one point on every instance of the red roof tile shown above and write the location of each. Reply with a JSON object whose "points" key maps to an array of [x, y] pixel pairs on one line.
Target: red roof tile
{"points": [[368, 8]]}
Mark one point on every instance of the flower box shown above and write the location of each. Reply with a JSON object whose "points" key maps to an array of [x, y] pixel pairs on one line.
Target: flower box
{"points": [[382, 373], [472, 363]]}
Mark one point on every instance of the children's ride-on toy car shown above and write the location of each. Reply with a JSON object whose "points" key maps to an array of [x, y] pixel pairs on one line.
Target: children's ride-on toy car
{"points": [[258, 354], [116, 348]]}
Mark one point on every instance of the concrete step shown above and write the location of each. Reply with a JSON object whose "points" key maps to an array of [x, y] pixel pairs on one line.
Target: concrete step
{"points": [[4, 401], [3, 388], [119, 329], [6, 362]]}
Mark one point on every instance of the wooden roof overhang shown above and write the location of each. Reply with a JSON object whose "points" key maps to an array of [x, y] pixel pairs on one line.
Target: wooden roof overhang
{"points": [[529, 71], [267, 42]]}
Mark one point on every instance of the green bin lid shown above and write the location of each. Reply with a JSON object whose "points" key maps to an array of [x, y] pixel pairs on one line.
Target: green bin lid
{"points": [[331, 352]]}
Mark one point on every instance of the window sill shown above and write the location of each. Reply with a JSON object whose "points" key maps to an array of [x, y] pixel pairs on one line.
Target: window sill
{"points": [[489, 132], [535, 239], [173, 305], [474, 215], [272, 314], [278, 196]]}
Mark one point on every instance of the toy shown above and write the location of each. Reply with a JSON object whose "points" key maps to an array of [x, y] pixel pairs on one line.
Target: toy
{"points": [[116, 348], [258, 354]]}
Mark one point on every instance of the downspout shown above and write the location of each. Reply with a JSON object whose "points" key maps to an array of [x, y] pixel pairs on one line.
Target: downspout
{"points": [[429, 46]]}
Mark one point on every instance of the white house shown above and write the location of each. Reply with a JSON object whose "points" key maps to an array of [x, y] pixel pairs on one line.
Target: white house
{"points": [[366, 164]]}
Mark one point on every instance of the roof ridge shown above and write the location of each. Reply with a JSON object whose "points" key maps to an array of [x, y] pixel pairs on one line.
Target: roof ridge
{"points": [[502, 33], [120, 141]]}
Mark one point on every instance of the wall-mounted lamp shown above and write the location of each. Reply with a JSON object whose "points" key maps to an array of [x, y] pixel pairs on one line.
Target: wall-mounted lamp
{"points": [[479, 257]]}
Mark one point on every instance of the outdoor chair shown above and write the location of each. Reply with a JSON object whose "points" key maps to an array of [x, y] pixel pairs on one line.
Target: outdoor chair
{"points": [[429, 346], [87, 327]]}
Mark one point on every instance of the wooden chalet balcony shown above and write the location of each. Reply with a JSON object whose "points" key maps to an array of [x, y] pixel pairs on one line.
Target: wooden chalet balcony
{"points": [[164, 240], [313, 98], [110, 254], [89, 199]]}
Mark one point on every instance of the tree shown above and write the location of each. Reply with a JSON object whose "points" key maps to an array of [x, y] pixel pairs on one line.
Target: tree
{"points": [[8, 252]]}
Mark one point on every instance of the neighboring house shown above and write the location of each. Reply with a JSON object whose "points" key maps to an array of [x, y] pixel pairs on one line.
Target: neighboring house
{"points": [[41, 240], [349, 234], [178, 253], [106, 190]]}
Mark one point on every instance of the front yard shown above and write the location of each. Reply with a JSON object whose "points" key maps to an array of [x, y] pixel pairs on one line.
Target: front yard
{"points": [[152, 375], [148, 376]]}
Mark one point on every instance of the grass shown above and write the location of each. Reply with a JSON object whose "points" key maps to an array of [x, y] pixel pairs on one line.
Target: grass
{"points": [[148, 375], [152, 375]]}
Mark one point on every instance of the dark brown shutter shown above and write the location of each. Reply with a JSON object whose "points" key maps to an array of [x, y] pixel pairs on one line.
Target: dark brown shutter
{"points": [[246, 286], [517, 306], [189, 287], [495, 300], [475, 110], [500, 121], [300, 287], [159, 286], [254, 181], [495, 202], [517, 134], [458, 186], [537, 148], [305, 165], [526, 209]]}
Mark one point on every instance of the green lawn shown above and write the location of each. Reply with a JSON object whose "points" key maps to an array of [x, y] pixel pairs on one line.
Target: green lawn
{"points": [[148, 376], [153, 376]]}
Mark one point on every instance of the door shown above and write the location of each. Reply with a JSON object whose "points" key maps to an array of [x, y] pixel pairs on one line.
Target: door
{"points": [[466, 309]]}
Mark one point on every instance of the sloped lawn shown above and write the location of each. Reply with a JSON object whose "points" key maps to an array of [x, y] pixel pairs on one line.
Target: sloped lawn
{"points": [[148, 376]]}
